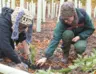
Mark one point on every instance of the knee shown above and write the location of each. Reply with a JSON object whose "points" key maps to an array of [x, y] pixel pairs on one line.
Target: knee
{"points": [[80, 46], [67, 35]]}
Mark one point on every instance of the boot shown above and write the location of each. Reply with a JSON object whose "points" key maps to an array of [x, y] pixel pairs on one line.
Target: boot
{"points": [[65, 58], [65, 48], [65, 54]]}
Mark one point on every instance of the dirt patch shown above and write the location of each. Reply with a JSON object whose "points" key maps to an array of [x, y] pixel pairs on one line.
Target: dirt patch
{"points": [[42, 39]]}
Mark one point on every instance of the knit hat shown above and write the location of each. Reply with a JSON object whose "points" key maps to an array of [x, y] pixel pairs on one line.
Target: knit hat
{"points": [[26, 18], [68, 10], [20, 16]]}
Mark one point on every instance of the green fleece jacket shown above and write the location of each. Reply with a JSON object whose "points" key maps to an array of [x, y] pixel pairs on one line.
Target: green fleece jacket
{"points": [[83, 31]]}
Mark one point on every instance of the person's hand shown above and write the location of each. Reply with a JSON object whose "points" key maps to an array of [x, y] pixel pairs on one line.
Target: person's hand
{"points": [[75, 39], [20, 46], [42, 61]]}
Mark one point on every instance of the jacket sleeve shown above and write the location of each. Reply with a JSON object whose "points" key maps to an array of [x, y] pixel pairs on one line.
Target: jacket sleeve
{"points": [[59, 29], [88, 29]]}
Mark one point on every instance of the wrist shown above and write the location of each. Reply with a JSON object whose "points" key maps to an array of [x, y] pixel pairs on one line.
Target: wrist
{"points": [[79, 37]]}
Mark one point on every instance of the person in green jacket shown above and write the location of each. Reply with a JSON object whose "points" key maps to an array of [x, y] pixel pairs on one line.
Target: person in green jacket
{"points": [[74, 27]]}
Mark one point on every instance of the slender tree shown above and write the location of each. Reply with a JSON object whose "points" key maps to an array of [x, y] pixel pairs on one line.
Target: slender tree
{"points": [[22, 3], [30, 6], [9, 3], [12, 4], [61, 2], [38, 29], [57, 9], [88, 7], [75, 2], [4, 4], [80, 4], [34, 9], [52, 10], [27, 4], [0, 5], [44, 10], [48, 7], [95, 12]]}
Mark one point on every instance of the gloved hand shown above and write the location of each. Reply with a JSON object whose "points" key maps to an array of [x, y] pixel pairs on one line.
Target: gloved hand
{"points": [[42, 61]]}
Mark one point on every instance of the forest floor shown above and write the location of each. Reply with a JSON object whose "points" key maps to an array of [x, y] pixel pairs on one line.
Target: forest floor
{"points": [[42, 39]]}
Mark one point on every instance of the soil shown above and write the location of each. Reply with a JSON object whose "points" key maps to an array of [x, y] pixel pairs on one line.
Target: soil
{"points": [[41, 40]]}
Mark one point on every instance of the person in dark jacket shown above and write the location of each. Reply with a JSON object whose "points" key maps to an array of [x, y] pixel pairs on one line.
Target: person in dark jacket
{"points": [[74, 26], [13, 24]]}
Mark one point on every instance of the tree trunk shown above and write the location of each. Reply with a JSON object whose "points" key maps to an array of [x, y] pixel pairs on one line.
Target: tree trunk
{"points": [[52, 10], [48, 10], [95, 12], [27, 5], [34, 9], [0, 6], [57, 9], [3, 3], [80, 4], [38, 29], [88, 7], [61, 2], [13, 4], [22, 3], [75, 2], [44, 10], [8, 3]]}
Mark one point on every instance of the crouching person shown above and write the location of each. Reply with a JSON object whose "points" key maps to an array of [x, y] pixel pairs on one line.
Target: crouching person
{"points": [[74, 26], [13, 25]]}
